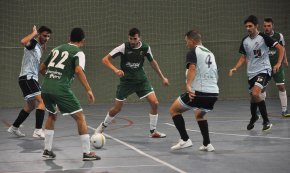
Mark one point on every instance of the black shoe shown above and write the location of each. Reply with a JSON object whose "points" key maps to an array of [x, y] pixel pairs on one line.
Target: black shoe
{"points": [[90, 156], [266, 126], [252, 122], [48, 154]]}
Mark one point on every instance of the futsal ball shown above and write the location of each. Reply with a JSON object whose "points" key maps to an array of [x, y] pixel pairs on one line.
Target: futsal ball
{"points": [[98, 140]]}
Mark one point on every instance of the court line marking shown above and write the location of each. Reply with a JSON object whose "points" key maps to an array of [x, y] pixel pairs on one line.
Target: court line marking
{"points": [[232, 134], [97, 167], [143, 153]]}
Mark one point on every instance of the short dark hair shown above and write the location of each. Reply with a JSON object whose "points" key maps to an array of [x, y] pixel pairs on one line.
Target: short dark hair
{"points": [[253, 19], [44, 28], [77, 35], [134, 31], [269, 19], [194, 34]]}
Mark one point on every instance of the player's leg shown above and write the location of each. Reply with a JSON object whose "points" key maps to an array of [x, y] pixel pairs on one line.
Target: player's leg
{"points": [[79, 117], [279, 79], [39, 117], [123, 91], [176, 109]]}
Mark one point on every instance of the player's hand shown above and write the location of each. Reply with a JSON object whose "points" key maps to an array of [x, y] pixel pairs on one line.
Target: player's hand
{"points": [[165, 81], [34, 30], [232, 71], [276, 68], [91, 97], [120, 73], [191, 94]]}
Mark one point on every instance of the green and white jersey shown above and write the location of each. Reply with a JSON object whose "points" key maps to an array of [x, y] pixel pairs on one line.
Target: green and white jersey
{"points": [[61, 64], [273, 52], [132, 60]]}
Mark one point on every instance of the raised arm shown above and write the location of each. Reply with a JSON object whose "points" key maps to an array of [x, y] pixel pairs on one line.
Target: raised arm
{"points": [[241, 61], [25, 40], [107, 61], [156, 68], [83, 79]]}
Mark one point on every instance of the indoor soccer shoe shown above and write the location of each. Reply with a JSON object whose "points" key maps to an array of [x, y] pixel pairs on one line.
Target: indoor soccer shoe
{"points": [[15, 131], [38, 133], [252, 122], [156, 134], [101, 128], [208, 148], [182, 144], [285, 114], [266, 126], [90, 156], [48, 154]]}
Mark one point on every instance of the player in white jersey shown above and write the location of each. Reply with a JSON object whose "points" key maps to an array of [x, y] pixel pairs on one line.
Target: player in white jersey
{"points": [[202, 91], [34, 44], [254, 49]]}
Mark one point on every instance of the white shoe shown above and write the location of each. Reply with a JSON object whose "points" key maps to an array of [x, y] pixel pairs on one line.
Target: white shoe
{"points": [[15, 131], [182, 144], [156, 134], [208, 148], [38, 133], [101, 128]]}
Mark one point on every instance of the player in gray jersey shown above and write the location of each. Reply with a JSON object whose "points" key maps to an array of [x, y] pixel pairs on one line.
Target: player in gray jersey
{"points": [[254, 49], [202, 91], [34, 44]]}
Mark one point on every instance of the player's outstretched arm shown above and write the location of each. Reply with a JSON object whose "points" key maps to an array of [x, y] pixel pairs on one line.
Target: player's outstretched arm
{"points": [[107, 61], [156, 68], [26, 39], [241, 61], [82, 77], [280, 58]]}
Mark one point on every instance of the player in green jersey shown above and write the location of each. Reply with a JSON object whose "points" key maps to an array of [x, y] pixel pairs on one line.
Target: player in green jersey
{"points": [[59, 69], [133, 79], [278, 77]]}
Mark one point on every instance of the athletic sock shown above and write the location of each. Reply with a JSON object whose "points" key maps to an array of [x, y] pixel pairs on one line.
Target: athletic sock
{"points": [[21, 118], [48, 139], [180, 125], [108, 120], [203, 126], [153, 122], [254, 107], [39, 116], [85, 140], [283, 99], [263, 110]]}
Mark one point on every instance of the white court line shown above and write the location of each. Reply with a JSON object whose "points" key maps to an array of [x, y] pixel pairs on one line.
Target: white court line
{"points": [[97, 167], [230, 134], [143, 153]]}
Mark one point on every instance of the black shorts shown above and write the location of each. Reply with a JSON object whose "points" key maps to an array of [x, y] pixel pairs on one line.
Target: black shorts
{"points": [[260, 80], [29, 87], [203, 101]]}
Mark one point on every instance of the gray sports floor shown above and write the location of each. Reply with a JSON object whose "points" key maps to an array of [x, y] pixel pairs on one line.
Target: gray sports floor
{"points": [[129, 149]]}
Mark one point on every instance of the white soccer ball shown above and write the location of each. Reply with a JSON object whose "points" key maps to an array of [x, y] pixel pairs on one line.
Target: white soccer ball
{"points": [[98, 140]]}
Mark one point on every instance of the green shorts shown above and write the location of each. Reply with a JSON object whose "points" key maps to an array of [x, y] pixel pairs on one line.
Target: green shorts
{"points": [[279, 77], [67, 103], [142, 89]]}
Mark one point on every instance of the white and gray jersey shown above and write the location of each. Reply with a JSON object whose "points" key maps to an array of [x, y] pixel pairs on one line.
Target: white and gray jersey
{"points": [[206, 73], [31, 59], [256, 51]]}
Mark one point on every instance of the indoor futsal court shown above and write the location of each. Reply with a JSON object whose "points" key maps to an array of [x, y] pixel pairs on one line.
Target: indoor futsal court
{"points": [[164, 26], [129, 149]]}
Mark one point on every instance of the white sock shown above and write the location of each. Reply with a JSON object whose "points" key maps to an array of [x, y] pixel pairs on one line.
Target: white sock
{"points": [[48, 134], [108, 120], [263, 95], [86, 145], [153, 121], [283, 99]]}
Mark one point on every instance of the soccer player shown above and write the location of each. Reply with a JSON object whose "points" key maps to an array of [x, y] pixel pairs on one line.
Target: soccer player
{"points": [[59, 69], [34, 45], [201, 91], [254, 49], [133, 79], [278, 77]]}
